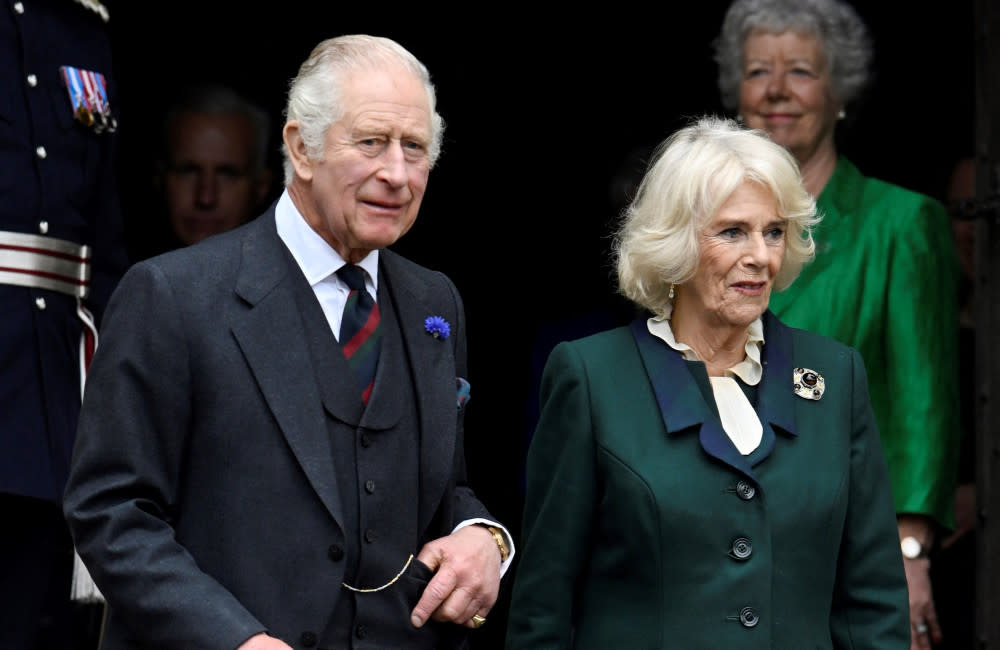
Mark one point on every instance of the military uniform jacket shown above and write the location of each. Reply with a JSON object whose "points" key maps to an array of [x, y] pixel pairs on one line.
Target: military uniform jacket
{"points": [[58, 180], [204, 495], [645, 528]]}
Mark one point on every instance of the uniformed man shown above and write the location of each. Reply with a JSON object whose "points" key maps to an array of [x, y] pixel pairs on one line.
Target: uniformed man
{"points": [[61, 253]]}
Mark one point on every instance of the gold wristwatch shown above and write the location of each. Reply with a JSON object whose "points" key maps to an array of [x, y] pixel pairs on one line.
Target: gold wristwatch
{"points": [[501, 543]]}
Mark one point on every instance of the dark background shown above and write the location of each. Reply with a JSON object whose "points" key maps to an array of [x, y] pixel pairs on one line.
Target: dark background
{"points": [[544, 108]]}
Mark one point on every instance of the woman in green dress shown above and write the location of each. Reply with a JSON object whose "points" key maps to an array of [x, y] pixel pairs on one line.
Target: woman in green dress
{"points": [[884, 276]]}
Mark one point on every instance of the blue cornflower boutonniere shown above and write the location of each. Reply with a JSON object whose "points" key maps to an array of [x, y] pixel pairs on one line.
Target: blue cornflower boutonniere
{"points": [[437, 327]]}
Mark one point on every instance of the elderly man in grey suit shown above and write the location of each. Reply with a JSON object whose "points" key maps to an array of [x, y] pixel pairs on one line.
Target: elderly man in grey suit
{"points": [[270, 453]]}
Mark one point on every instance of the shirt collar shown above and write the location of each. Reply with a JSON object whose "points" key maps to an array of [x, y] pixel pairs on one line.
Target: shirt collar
{"points": [[315, 257], [749, 370]]}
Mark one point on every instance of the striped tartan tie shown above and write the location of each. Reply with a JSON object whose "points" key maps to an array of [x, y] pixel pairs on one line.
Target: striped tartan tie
{"points": [[360, 334]]}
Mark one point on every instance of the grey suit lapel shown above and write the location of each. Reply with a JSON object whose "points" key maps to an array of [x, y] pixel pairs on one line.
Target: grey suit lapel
{"points": [[433, 366], [270, 336]]}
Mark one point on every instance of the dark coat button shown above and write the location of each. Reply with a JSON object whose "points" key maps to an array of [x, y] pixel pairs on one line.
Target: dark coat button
{"points": [[335, 553], [748, 617], [308, 639], [369, 486], [746, 490], [361, 631], [742, 548], [370, 536], [366, 440]]}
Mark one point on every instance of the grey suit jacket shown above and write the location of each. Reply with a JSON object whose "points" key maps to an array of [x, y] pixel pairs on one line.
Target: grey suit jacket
{"points": [[202, 494]]}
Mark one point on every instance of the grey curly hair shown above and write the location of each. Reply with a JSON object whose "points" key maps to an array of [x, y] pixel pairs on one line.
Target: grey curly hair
{"points": [[842, 35]]}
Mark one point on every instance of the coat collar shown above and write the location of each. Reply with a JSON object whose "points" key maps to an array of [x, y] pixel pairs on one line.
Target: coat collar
{"points": [[432, 361], [842, 194], [280, 362], [683, 407]]}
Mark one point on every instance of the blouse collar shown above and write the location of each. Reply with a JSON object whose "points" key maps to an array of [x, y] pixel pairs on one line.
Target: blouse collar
{"points": [[750, 370]]}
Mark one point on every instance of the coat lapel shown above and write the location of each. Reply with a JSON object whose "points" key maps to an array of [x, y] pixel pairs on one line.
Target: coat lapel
{"points": [[269, 335], [776, 399], [682, 405], [432, 365]]}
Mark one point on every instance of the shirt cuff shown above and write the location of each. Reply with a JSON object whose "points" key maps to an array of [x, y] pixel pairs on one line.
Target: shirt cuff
{"points": [[503, 531]]}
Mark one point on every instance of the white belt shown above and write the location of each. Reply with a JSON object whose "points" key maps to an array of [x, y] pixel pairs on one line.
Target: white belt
{"points": [[44, 263], [58, 265]]}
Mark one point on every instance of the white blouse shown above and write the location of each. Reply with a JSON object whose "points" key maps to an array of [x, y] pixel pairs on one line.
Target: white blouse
{"points": [[739, 420]]}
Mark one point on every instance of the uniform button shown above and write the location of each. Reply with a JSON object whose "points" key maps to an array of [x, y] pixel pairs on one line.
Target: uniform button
{"points": [[748, 617], [361, 631], [40, 303], [32, 80], [308, 639], [369, 486], [366, 440], [40, 152], [746, 490], [43, 227], [742, 548], [370, 536], [335, 553], [18, 7]]}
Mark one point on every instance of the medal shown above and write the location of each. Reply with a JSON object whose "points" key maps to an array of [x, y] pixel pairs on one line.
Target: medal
{"points": [[84, 117], [88, 98]]}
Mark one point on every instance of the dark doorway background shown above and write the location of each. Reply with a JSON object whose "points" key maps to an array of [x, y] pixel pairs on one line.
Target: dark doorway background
{"points": [[544, 106]]}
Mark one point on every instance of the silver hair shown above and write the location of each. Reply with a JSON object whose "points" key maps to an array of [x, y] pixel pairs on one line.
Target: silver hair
{"points": [[314, 96], [842, 35], [692, 174]]}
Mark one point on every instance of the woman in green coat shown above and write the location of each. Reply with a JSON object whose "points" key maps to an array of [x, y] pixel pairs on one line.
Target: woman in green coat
{"points": [[885, 272], [708, 477]]}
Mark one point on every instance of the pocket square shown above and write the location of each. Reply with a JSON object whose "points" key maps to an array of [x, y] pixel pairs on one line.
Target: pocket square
{"points": [[463, 391]]}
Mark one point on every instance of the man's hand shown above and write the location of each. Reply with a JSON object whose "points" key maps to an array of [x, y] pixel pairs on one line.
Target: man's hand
{"points": [[466, 579], [264, 642]]}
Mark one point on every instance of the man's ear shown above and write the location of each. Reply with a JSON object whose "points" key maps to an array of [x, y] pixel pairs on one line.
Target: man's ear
{"points": [[297, 153]]}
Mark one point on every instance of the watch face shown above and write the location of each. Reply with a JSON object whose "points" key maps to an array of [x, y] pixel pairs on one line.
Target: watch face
{"points": [[911, 547]]}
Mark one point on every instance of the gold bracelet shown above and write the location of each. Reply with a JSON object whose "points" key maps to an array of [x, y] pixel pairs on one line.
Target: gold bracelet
{"points": [[501, 544]]}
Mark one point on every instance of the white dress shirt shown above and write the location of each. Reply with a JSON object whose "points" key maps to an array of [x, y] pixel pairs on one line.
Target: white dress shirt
{"points": [[319, 262]]}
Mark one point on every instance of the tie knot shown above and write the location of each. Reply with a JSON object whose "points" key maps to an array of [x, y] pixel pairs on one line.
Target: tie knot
{"points": [[353, 276]]}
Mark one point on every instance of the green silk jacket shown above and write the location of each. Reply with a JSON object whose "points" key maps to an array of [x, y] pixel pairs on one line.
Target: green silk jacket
{"points": [[884, 282]]}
